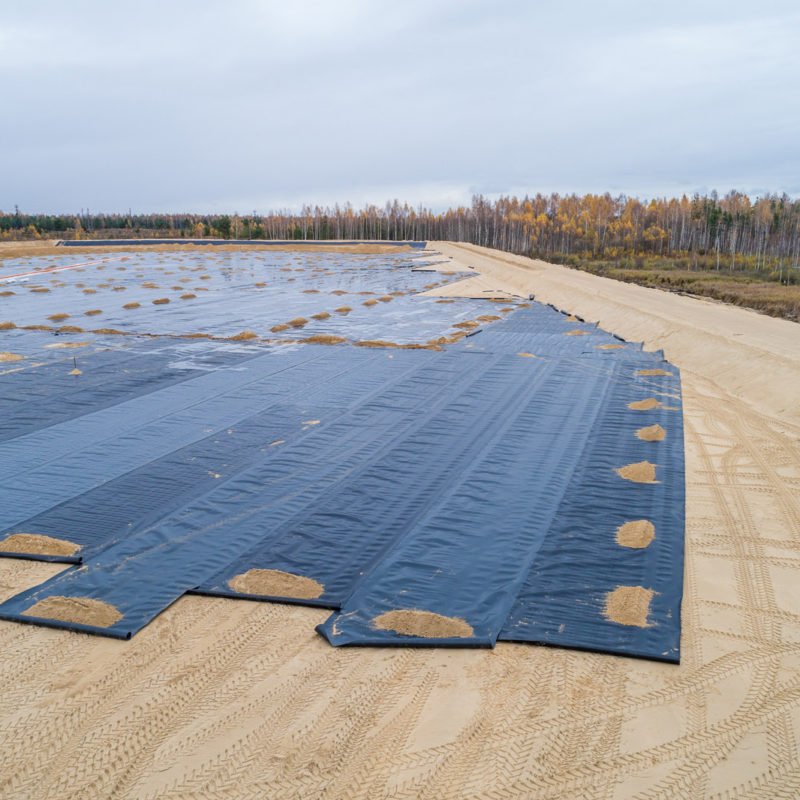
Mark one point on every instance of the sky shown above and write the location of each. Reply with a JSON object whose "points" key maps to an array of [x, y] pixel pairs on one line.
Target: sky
{"points": [[252, 105]]}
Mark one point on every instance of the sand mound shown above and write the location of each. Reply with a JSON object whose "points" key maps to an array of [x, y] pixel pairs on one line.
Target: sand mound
{"points": [[297, 322], [161, 301], [120, 288], [387, 298], [244, 336], [370, 303], [80, 610], [644, 405], [70, 329], [67, 345], [338, 291], [628, 605], [38, 544], [636, 534], [527, 355], [257, 285], [324, 338], [44, 289], [321, 315], [444, 301], [375, 343], [653, 372], [467, 324], [343, 310], [275, 583], [310, 291], [640, 472], [654, 433], [6, 294], [109, 331], [7, 326], [188, 296], [75, 371], [58, 317], [488, 318], [132, 305], [577, 332], [93, 312], [279, 328], [87, 291], [425, 624], [610, 347], [6, 356]]}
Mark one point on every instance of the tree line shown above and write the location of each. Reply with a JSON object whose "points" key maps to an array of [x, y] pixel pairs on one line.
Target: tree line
{"points": [[733, 232]]}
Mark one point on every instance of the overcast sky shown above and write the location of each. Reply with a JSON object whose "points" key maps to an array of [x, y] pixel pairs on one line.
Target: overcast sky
{"points": [[255, 105]]}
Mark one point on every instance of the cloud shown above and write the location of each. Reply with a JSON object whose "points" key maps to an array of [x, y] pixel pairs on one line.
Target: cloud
{"points": [[178, 106]]}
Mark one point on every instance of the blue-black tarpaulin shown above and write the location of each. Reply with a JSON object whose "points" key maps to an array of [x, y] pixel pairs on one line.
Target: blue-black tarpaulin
{"points": [[523, 483]]}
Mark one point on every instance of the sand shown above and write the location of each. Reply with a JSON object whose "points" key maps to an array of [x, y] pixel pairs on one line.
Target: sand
{"points": [[276, 583], [644, 405], [640, 472], [82, 610], [228, 698], [652, 433], [424, 624], [324, 338], [37, 543], [628, 605], [636, 534]]}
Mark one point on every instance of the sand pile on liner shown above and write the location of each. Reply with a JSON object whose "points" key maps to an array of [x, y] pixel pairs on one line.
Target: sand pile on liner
{"points": [[653, 433], [647, 404], [636, 534], [628, 605], [276, 583], [640, 472], [424, 624], [38, 544], [80, 610], [324, 338]]}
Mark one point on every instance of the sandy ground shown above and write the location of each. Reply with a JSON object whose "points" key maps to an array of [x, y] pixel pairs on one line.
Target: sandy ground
{"points": [[233, 699]]}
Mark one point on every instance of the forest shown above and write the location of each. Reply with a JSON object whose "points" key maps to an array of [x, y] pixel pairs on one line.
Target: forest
{"points": [[677, 243]]}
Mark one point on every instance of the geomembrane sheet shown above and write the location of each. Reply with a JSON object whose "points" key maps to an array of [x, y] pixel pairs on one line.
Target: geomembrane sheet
{"points": [[524, 483]]}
